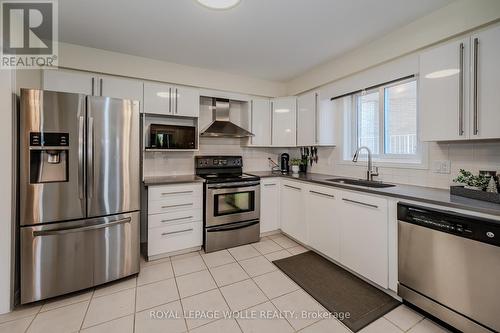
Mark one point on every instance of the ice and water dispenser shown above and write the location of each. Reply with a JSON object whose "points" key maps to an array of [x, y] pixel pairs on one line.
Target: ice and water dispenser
{"points": [[49, 153]]}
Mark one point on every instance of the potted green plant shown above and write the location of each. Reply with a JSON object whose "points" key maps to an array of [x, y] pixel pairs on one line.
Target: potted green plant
{"points": [[295, 163], [471, 181]]}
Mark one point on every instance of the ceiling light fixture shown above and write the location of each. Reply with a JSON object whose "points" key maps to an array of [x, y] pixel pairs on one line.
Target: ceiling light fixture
{"points": [[442, 73], [219, 4]]}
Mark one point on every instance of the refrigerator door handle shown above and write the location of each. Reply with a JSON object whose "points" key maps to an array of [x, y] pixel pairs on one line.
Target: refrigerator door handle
{"points": [[80, 157], [90, 157], [80, 229]]}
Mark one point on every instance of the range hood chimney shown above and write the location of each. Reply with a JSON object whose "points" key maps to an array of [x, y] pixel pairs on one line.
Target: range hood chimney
{"points": [[221, 126]]}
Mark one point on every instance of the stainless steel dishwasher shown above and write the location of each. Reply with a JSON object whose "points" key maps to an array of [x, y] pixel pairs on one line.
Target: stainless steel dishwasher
{"points": [[449, 266]]}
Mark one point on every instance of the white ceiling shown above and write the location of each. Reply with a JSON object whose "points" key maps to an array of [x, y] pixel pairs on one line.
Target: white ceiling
{"points": [[269, 39]]}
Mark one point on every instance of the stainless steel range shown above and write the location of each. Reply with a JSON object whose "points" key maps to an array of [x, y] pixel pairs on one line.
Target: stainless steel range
{"points": [[232, 202]]}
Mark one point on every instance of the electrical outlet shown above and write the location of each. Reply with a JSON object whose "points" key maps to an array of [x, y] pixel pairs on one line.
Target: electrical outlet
{"points": [[441, 166]]}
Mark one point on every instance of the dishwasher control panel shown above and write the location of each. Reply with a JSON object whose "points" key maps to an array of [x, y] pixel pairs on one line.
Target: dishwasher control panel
{"points": [[476, 228]]}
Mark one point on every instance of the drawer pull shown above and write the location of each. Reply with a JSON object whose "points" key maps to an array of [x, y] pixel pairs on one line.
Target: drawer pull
{"points": [[180, 205], [180, 192], [293, 187], [322, 194], [269, 184], [176, 232], [177, 219], [360, 203]]}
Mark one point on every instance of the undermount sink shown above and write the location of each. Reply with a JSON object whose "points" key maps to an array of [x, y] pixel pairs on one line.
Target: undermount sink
{"points": [[360, 182]]}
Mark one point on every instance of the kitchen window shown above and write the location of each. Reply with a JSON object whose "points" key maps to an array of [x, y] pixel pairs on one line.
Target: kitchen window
{"points": [[385, 119]]}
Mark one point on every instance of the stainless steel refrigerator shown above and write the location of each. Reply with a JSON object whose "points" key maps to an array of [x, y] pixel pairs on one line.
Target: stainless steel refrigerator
{"points": [[79, 191]]}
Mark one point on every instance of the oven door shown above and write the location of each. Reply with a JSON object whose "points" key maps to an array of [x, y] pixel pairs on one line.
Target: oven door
{"points": [[232, 202]]}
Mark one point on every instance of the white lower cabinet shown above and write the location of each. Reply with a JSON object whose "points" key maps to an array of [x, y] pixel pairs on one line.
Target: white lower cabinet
{"points": [[292, 209], [363, 235], [269, 204], [322, 221], [175, 218]]}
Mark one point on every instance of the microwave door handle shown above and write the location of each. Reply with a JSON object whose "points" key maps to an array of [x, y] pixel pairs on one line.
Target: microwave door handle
{"points": [[233, 227]]}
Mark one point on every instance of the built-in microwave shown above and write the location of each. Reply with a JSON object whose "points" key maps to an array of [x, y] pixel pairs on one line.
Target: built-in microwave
{"points": [[172, 136]]}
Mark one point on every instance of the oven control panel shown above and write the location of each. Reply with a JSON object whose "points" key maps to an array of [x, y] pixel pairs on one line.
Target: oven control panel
{"points": [[219, 162]]}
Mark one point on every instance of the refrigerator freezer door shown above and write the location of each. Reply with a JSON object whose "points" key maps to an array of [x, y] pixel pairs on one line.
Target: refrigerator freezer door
{"points": [[59, 258], [51, 186], [113, 174]]}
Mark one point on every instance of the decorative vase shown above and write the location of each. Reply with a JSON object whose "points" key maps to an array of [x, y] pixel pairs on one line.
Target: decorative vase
{"points": [[295, 169]]}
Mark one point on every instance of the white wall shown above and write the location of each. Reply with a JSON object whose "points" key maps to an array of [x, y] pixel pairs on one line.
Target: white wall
{"points": [[449, 21], [101, 61], [7, 181]]}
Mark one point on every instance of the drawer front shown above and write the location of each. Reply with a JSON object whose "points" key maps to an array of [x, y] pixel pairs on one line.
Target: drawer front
{"points": [[170, 192], [174, 218], [174, 205], [174, 238]]}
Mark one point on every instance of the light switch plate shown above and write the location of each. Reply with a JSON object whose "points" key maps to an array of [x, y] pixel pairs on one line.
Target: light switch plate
{"points": [[441, 166]]}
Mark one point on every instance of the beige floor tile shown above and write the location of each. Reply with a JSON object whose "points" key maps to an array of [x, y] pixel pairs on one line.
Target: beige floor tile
{"points": [[218, 258], [195, 283], [275, 284], [21, 312], [261, 323], [298, 301], [267, 246], [404, 317], [66, 319], [278, 255], [276, 235], [297, 250], [145, 263], [110, 307], [16, 326], [381, 325], [210, 301], [120, 325], [257, 266], [285, 242], [244, 252], [66, 300], [188, 265], [155, 273], [428, 326], [157, 293], [228, 274], [326, 326], [242, 295], [185, 255], [113, 287], [173, 323], [219, 326]]}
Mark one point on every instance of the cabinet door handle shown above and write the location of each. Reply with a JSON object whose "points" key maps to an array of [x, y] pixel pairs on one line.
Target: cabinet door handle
{"points": [[93, 86], [100, 87], [360, 203], [461, 93], [269, 184], [177, 219], [293, 187], [176, 232], [322, 194], [179, 192], [180, 205], [476, 51]]}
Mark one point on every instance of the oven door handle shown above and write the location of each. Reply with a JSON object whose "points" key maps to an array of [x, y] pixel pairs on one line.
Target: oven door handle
{"points": [[233, 227], [233, 185]]}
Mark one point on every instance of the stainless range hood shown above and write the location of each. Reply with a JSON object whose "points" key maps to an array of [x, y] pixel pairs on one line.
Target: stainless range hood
{"points": [[221, 126]]}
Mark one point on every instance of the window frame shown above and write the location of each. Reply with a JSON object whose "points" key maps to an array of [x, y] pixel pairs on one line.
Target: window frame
{"points": [[418, 160]]}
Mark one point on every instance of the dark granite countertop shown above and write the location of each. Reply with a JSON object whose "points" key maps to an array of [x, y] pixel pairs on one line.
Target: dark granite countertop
{"points": [[165, 180], [410, 192]]}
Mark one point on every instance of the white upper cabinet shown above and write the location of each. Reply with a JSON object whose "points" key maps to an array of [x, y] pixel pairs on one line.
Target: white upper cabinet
{"points": [[284, 121], [117, 87], [306, 119], [323, 222], [326, 120], [160, 98], [443, 94], [69, 81], [260, 120], [157, 98], [485, 83], [186, 102]]}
